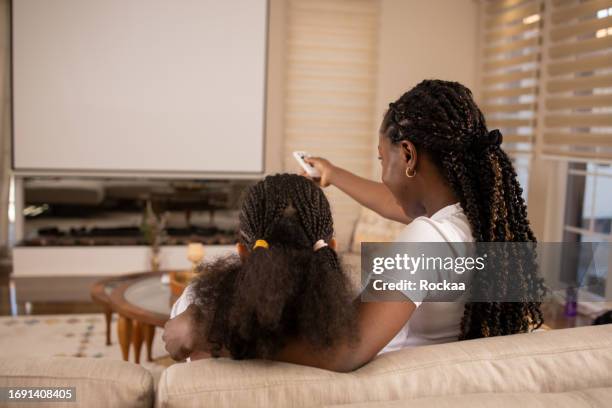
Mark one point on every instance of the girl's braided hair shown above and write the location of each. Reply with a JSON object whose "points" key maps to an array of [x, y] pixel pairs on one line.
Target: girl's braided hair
{"points": [[442, 118], [288, 290]]}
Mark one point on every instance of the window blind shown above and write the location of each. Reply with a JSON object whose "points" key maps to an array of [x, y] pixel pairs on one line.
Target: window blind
{"points": [[330, 90], [511, 54], [578, 89]]}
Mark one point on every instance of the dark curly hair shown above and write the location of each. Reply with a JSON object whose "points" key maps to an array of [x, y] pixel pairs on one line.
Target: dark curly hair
{"points": [[442, 118], [252, 308]]}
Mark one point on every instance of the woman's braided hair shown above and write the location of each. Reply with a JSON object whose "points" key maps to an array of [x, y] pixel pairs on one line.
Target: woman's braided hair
{"points": [[442, 118], [288, 290]]}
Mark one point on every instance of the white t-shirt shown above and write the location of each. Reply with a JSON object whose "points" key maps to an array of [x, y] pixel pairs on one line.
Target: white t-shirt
{"points": [[182, 303], [433, 322]]}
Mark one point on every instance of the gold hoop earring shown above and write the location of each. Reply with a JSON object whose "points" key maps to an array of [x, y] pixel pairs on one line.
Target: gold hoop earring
{"points": [[410, 175]]}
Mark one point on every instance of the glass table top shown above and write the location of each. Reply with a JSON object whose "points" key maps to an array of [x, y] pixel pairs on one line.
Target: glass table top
{"points": [[150, 294]]}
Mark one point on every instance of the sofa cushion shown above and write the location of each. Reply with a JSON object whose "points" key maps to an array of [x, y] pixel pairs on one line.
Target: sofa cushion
{"points": [[98, 382], [553, 361], [587, 398], [371, 227]]}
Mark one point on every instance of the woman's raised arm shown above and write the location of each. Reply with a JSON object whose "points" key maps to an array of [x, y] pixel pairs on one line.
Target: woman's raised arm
{"points": [[371, 194]]}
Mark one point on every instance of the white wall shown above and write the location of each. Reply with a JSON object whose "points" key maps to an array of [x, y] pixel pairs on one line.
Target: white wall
{"points": [[424, 39]]}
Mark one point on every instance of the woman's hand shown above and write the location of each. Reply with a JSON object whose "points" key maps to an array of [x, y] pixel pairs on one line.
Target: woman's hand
{"points": [[325, 168], [179, 335]]}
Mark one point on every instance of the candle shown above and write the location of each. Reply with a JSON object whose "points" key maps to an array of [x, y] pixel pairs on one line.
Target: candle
{"points": [[195, 252]]}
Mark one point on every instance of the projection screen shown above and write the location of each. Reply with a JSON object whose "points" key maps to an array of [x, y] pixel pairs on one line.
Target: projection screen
{"points": [[163, 86]]}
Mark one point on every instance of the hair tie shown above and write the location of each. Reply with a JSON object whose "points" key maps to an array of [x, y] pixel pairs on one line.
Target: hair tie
{"points": [[261, 243], [492, 138], [318, 245], [495, 137]]}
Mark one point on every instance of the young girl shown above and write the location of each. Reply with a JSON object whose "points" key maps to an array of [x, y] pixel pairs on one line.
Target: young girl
{"points": [[285, 283]]}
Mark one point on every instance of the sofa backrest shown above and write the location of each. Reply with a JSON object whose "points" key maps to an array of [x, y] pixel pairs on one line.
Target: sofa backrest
{"points": [[586, 398], [97, 382], [554, 361]]}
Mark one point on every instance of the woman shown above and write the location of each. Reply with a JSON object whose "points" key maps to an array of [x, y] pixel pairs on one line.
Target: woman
{"points": [[442, 169]]}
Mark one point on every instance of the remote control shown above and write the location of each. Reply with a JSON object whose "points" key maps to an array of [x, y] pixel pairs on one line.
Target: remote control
{"points": [[310, 170]]}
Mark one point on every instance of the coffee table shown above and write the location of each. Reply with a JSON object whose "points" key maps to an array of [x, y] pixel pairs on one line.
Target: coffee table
{"points": [[100, 293], [142, 303]]}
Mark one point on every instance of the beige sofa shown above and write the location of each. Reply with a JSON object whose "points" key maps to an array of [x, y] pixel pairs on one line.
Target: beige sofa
{"points": [[561, 368], [98, 383]]}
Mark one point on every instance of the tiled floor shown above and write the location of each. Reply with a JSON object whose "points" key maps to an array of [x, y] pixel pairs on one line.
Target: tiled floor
{"points": [[40, 307]]}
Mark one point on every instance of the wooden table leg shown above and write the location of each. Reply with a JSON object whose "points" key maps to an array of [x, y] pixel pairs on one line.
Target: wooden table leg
{"points": [[137, 339], [149, 334], [124, 333], [108, 315]]}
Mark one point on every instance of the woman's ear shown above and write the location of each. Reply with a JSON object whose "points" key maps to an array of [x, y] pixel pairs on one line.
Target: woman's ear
{"points": [[242, 250], [409, 154], [333, 244]]}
